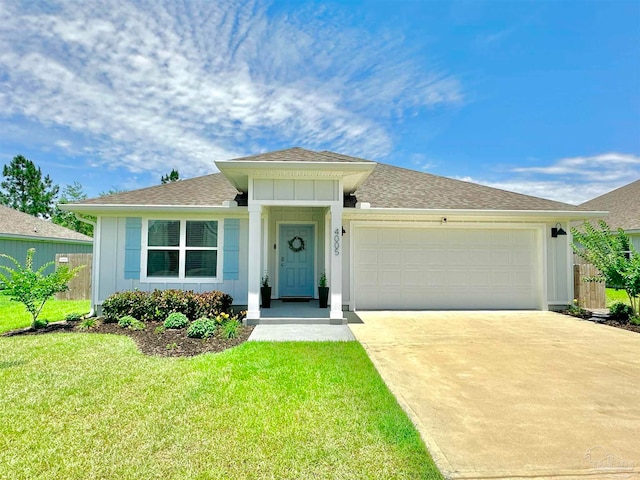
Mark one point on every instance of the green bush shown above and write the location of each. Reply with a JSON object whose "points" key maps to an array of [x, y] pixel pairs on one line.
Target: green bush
{"points": [[176, 320], [87, 323], [137, 325], [621, 312], [126, 321], [73, 317], [40, 323], [202, 328], [230, 328], [635, 320], [157, 305]]}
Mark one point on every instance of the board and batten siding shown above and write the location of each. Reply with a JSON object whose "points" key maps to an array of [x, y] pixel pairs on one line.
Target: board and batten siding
{"points": [[120, 255], [46, 250], [296, 189]]}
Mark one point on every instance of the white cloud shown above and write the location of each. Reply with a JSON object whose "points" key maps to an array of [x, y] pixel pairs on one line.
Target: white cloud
{"points": [[150, 86], [572, 180]]}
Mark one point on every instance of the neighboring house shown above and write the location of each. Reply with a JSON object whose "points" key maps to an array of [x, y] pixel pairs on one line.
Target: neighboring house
{"points": [[387, 237], [623, 205], [19, 232]]}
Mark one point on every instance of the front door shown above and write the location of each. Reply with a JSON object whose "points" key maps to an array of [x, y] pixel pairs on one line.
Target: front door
{"points": [[295, 274]]}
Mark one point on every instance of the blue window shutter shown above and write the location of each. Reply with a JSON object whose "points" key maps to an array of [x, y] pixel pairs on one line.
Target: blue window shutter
{"points": [[132, 248], [231, 267]]}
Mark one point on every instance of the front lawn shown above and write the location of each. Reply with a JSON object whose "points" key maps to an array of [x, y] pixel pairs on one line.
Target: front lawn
{"points": [[14, 315], [614, 296], [93, 406]]}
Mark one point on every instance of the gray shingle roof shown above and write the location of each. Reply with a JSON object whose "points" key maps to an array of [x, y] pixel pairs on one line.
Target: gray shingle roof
{"points": [[13, 222], [623, 205], [297, 154], [387, 186]]}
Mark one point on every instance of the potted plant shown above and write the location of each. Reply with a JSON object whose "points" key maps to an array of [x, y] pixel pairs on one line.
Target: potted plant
{"points": [[265, 292], [323, 291]]}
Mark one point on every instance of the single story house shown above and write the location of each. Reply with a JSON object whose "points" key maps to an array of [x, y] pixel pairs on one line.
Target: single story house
{"points": [[19, 232], [386, 237], [623, 205]]}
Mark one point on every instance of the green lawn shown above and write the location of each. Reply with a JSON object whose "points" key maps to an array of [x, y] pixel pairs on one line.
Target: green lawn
{"points": [[614, 295], [14, 315], [92, 406]]}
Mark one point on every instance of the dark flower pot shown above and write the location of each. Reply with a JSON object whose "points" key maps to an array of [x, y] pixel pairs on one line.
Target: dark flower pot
{"points": [[323, 294], [265, 294]]}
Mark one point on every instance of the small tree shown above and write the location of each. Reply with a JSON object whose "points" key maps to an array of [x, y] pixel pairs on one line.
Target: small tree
{"points": [[73, 193], [612, 254], [34, 288]]}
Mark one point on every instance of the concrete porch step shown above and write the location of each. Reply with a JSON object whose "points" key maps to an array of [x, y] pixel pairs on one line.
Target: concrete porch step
{"points": [[297, 321]]}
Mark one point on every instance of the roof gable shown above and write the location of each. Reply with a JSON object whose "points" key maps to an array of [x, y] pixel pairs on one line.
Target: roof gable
{"points": [[297, 154], [623, 205]]}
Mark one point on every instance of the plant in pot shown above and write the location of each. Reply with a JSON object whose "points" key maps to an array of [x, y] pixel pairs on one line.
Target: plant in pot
{"points": [[265, 292], [323, 291]]}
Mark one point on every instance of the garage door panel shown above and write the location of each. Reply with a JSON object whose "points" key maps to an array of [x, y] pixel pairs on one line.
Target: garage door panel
{"points": [[426, 268]]}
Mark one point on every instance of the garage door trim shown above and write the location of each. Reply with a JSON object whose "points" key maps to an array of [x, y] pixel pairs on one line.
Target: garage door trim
{"points": [[538, 228]]}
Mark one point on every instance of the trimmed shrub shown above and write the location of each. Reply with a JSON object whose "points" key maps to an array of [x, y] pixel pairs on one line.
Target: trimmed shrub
{"points": [[202, 328], [73, 317], [176, 320], [40, 323], [230, 328], [126, 321], [137, 325], [621, 312], [87, 323], [159, 304]]}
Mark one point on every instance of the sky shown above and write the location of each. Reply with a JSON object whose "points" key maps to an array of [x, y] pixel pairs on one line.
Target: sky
{"points": [[537, 97]]}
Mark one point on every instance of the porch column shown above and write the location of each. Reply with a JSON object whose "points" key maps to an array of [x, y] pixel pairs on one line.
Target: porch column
{"points": [[253, 259], [335, 252]]}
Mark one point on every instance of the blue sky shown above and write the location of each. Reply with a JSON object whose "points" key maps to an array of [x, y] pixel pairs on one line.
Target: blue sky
{"points": [[537, 97]]}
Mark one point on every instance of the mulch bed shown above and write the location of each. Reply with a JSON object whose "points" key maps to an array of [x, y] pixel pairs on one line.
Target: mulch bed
{"points": [[169, 343], [605, 321]]}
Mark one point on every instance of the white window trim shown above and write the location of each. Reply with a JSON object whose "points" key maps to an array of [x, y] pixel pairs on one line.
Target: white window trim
{"points": [[182, 249]]}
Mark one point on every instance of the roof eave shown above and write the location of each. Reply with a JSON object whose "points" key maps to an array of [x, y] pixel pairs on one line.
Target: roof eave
{"points": [[17, 236], [565, 214], [128, 209]]}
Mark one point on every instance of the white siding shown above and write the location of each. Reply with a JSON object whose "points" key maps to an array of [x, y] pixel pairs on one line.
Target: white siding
{"points": [[295, 189]]}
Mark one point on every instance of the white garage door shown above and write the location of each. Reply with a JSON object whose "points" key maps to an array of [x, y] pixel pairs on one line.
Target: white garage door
{"points": [[445, 268]]}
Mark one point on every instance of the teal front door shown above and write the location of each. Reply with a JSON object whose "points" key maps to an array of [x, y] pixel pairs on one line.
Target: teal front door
{"points": [[295, 274]]}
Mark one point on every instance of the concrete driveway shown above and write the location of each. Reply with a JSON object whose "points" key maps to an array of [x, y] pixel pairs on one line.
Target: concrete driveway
{"points": [[513, 394]]}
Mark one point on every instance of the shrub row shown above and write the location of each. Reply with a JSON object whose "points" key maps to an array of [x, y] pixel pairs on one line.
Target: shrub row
{"points": [[157, 305]]}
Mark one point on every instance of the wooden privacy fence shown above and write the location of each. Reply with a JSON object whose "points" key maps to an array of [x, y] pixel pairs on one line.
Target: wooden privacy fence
{"points": [[80, 285], [590, 295]]}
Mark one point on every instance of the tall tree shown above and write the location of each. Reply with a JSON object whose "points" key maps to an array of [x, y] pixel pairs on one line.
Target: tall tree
{"points": [[73, 193], [174, 176], [25, 189]]}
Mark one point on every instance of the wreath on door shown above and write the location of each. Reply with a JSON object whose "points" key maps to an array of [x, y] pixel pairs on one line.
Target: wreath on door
{"points": [[296, 244]]}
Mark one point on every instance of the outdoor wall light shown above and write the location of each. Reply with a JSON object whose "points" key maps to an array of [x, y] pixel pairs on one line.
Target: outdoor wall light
{"points": [[557, 230]]}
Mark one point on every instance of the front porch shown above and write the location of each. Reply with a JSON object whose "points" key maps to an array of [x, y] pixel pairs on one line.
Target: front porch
{"points": [[285, 313]]}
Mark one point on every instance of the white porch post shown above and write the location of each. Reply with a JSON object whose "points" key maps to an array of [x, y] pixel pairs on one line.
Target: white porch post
{"points": [[335, 252], [255, 265]]}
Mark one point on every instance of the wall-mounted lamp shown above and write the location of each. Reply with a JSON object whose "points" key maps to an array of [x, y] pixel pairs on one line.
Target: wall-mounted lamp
{"points": [[557, 230], [343, 231]]}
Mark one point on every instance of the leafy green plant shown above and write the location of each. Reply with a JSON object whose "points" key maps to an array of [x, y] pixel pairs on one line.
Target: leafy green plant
{"points": [[32, 287], [137, 325], [577, 311], [265, 280], [126, 321], [73, 317], [231, 328], [172, 346], [202, 328], [157, 305], [159, 329], [613, 255], [87, 323], [40, 323], [635, 320], [323, 280], [176, 320], [621, 312]]}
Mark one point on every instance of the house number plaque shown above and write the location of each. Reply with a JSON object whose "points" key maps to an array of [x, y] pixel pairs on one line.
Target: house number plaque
{"points": [[336, 242]]}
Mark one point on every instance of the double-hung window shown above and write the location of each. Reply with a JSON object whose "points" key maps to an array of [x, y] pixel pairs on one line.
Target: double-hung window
{"points": [[182, 249]]}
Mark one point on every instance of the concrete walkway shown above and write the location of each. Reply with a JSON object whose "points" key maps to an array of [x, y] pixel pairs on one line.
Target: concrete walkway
{"points": [[301, 332], [513, 394]]}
